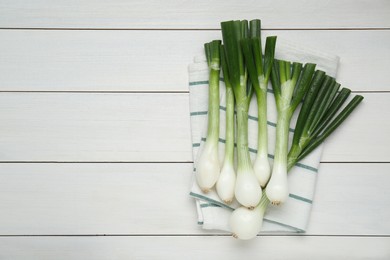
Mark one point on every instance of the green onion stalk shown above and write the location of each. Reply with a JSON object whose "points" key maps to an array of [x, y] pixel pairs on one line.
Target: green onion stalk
{"points": [[259, 71], [290, 83], [208, 166], [247, 189], [227, 179]]}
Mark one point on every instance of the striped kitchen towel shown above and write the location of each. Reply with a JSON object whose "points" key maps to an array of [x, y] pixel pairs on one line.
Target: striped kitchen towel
{"points": [[294, 214]]}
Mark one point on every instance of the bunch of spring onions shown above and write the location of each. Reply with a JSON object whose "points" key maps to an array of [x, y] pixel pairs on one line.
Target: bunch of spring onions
{"points": [[246, 71], [319, 116]]}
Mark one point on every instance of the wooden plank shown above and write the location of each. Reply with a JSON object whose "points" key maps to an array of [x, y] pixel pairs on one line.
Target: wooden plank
{"points": [[363, 136], [157, 61], [278, 248], [343, 202], [94, 127], [190, 14], [136, 199], [148, 127]]}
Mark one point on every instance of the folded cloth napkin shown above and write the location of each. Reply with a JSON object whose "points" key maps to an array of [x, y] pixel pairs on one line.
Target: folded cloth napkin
{"points": [[294, 214]]}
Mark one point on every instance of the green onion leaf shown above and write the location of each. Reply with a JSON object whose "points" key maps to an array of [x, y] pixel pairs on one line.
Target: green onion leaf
{"points": [[225, 69], [275, 80], [250, 62], [327, 100], [282, 71], [332, 110], [231, 36], [255, 28], [309, 100], [314, 109], [257, 54], [269, 56], [303, 84], [332, 126]]}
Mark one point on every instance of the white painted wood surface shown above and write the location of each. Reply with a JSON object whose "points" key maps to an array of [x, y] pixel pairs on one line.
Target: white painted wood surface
{"points": [[119, 127], [193, 14], [58, 60], [94, 127], [143, 201], [138, 199], [189, 247]]}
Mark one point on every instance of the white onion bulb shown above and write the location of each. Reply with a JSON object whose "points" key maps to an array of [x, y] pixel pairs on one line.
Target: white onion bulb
{"points": [[247, 190], [245, 223], [226, 183], [262, 170], [207, 168], [277, 188]]}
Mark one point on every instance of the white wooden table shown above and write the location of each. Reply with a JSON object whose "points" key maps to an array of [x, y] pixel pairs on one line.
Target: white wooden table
{"points": [[95, 147]]}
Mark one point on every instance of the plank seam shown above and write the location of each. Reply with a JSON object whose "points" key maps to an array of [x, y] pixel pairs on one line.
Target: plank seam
{"points": [[191, 29], [193, 235], [99, 91], [166, 162], [144, 92]]}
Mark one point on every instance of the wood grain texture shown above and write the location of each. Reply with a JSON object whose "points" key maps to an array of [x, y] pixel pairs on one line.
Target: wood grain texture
{"points": [[148, 127], [94, 127], [193, 14], [95, 248], [140, 199], [149, 202], [157, 60]]}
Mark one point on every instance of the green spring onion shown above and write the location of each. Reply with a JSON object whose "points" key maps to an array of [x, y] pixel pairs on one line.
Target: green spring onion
{"points": [[208, 167], [290, 83], [247, 189], [259, 71], [227, 179]]}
